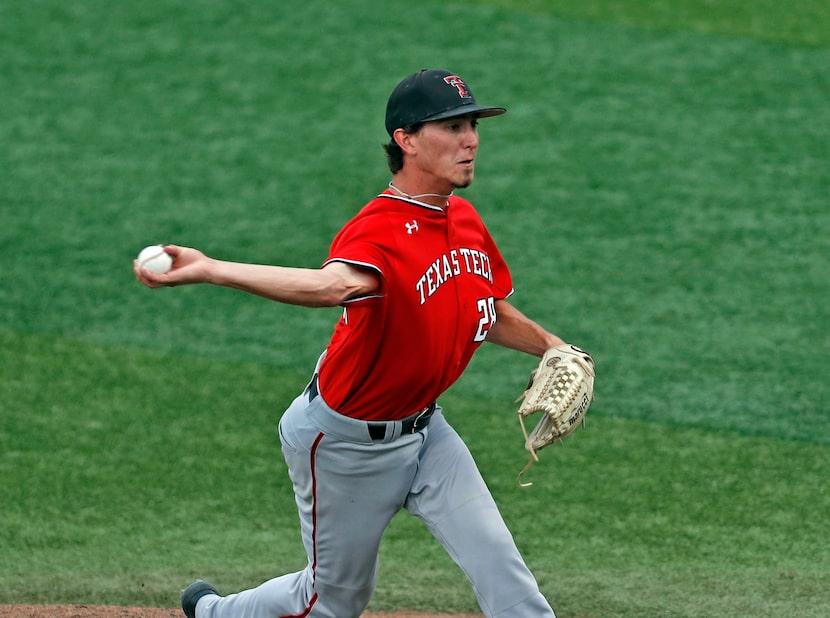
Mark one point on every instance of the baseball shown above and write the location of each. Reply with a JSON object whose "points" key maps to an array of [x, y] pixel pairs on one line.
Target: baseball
{"points": [[155, 259]]}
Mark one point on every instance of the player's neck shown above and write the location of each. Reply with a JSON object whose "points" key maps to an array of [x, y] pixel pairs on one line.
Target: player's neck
{"points": [[400, 187]]}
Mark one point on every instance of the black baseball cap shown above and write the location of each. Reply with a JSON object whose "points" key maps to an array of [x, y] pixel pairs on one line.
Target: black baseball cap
{"points": [[432, 94]]}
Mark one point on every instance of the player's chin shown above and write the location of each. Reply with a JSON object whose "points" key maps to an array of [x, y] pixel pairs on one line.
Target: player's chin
{"points": [[464, 180]]}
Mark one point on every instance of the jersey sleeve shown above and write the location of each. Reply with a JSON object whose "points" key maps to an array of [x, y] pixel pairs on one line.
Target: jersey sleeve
{"points": [[358, 244], [502, 279]]}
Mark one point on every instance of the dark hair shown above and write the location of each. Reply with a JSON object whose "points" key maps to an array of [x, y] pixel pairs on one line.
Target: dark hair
{"points": [[394, 154]]}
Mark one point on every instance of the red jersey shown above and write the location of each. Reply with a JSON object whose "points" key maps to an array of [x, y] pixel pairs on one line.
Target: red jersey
{"points": [[396, 351]]}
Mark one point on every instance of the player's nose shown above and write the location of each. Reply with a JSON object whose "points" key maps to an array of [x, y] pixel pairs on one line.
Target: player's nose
{"points": [[471, 137]]}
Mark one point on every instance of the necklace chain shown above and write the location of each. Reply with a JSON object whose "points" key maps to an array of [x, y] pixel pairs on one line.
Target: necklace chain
{"points": [[415, 197]]}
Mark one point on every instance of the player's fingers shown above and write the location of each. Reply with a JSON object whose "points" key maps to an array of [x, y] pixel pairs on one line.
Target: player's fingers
{"points": [[151, 280], [173, 250], [139, 272]]}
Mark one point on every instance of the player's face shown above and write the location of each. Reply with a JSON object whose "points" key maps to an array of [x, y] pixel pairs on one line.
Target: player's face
{"points": [[447, 151]]}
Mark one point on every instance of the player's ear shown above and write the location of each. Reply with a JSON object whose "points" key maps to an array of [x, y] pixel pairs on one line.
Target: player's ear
{"points": [[403, 139]]}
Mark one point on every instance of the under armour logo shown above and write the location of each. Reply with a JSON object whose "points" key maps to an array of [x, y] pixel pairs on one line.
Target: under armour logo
{"points": [[412, 227], [454, 80]]}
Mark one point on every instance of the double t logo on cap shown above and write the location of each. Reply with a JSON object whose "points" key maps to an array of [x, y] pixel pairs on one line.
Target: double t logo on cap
{"points": [[454, 80]]}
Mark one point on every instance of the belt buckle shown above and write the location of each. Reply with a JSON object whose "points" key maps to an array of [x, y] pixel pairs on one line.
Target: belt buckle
{"points": [[424, 414]]}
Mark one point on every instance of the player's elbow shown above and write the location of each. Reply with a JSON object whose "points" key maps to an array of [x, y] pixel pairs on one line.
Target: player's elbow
{"points": [[342, 282], [331, 297], [333, 291]]}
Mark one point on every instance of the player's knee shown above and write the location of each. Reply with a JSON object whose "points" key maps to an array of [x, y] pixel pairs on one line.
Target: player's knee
{"points": [[339, 602]]}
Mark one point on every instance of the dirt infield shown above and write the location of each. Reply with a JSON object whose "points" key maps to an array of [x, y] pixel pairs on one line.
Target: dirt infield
{"points": [[108, 611]]}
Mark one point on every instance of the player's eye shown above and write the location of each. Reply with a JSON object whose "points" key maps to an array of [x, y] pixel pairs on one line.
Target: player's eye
{"points": [[456, 126]]}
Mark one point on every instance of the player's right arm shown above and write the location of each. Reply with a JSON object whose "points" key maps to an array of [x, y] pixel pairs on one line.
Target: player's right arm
{"points": [[329, 286]]}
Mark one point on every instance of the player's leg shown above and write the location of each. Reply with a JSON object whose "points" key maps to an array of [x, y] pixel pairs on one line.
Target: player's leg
{"points": [[450, 496], [346, 494]]}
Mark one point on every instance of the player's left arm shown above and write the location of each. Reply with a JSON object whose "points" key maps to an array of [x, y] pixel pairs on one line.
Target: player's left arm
{"points": [[516, 331]]}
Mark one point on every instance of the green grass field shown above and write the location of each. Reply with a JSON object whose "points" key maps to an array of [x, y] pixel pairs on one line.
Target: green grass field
{"points": [[659, 187]]}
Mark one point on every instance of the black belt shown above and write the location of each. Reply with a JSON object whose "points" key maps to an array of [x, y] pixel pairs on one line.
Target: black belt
{"points": [[377, 431], [412, 424]]}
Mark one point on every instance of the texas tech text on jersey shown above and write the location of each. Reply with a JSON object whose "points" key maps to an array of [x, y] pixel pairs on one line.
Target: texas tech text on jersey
{"points": [[450, 265]]}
